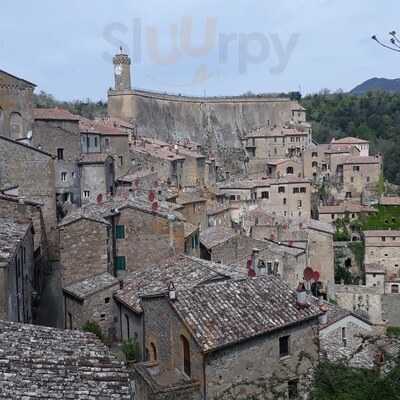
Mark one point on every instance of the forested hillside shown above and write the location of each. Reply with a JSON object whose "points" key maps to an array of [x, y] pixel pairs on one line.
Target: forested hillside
{"points": [[88, 108], [374, 116]]}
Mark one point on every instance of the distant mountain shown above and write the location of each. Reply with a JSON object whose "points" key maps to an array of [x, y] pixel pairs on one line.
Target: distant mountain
{"points": [[375, 84]]}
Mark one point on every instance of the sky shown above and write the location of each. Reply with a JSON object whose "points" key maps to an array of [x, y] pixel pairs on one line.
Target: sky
{"points": [[197, 47]]}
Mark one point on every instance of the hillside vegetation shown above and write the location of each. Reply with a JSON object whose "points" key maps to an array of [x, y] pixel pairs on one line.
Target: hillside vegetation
{"points": [[374, 116]]}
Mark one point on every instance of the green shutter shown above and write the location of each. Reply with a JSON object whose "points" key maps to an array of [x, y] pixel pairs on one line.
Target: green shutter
{"points": [[120, 231], [120, 263]]}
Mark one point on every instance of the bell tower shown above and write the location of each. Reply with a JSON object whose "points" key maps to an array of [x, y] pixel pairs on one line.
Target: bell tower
{"points": [[122, 71]]}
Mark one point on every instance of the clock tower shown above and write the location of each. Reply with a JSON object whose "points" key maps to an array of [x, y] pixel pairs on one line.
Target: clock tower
{"points": [[122, 71]]}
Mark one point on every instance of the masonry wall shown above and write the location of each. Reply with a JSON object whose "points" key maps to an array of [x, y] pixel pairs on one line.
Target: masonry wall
{"points": [[148, 238], [360, 299], [332, 345], [85, 250], [15, 97], [196, 214], [34, 173], [95, 308], [119, 148], [385, 253], [356, 181], [54, 135], [253, 369], [391, 307]]}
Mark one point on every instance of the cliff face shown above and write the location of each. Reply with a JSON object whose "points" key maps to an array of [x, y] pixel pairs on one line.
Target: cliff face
{"points": [[216, 123]]}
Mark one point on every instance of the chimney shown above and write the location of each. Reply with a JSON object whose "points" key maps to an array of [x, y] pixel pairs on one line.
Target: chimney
{"points": [[171, 291], [21, 206], [254, 258], [301, 296], [323, 318]]}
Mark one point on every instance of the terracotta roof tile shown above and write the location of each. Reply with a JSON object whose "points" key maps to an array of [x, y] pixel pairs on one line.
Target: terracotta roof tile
{"points": [[54, 114]]}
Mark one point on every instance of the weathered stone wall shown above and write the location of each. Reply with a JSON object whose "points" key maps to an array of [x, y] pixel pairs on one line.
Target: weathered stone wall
{"points": [[54, 135], [97, 308], [390, 309], [336, 347], [196, 214], [385, 253], [119, 149], [84, 249], [345, 257], [15, 99], [240, 372], [149, 238], [34, 172], [128, 325]]}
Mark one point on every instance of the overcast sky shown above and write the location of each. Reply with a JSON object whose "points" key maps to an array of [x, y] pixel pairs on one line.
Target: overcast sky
{"points": [[234, 46]]}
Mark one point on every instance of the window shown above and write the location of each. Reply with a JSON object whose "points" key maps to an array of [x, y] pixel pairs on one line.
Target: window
{"points": [[368, 178], [284, 201], [153, 352], [314, 154], [303, 190], [383, 238], [16, 125], [63, 176], [186, 356], [107, 142], [69, 321], [296, 190], [324, 167], [289, 170], [299, 203], [356, 168], [120, 263], [86, 194], [281, 189], [232, 197], [95, 141], [352, 179], [348, 195], [265, 195], [293, 392], [344, 339], [332, 216], [128, 333], [121, 161], [314, 164], [73, 175], [106, 300], [275, 151], [60, 154], [395, 288], [120, 232], [284, 346]]}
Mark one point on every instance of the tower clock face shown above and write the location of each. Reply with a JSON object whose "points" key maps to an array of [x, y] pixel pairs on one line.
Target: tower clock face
{"points": [[118, 70]]}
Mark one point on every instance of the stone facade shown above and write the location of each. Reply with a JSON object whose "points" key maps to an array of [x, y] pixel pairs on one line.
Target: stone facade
{"points": [[15, 106], [91, 300], [194, 208], [16, 270], [59, 135], [33, 171], [85, 250]]}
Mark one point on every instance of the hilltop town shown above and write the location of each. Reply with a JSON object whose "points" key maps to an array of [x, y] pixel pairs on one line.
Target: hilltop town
{"points": [[188, 248]]}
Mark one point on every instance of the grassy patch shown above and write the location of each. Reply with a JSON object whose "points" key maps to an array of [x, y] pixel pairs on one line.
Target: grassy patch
{"points": [[387, 217]]}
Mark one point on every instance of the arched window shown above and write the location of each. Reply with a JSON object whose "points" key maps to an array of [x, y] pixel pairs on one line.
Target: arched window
{"points": [[153, 352], [16, 126], [289, 170], [186, 355]]}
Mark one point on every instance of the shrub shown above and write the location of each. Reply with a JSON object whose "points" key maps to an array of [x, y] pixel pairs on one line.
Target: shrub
{"points": [[393, 331], [93, 327], [130, 348]]}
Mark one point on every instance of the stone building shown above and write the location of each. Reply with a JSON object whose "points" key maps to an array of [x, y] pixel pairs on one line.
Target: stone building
{"points": [[284, 167], [37, 362], [383, 248], [33, 172], [224, 245], [15, 106], [288, 197], [56, 131], [91, 300], [276, 142], [341, 333], [219, 214], [361, 144], [134, 234], [16, 270], [192, 241], [193, 206], [315, 237], [182, 270], [346, 210], [221, 335], [106, 137], [86, 246], [97, 176]]}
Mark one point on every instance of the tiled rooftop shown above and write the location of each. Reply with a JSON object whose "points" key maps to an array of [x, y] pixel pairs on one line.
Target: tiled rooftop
{"points": [[216, 235], [189, 229], [157, 149], [87, 287], [346, 207], [183, 270], [252, 183], [349, 140], [190, 197], [93, 158], [44, 363], [227, 312], [101, 127], [12, 232], [99, 212], [54, 114]]}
